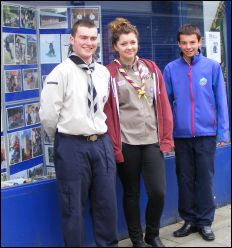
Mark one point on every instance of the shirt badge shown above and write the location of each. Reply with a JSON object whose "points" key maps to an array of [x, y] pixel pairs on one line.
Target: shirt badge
{"points": [[147, 76], [121, 83], [203, 81]]}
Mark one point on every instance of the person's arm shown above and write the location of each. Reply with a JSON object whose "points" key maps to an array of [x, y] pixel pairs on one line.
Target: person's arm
{"points": [[112, 123], [168, 85], [51, 102], [222, 118], [166, 143]]}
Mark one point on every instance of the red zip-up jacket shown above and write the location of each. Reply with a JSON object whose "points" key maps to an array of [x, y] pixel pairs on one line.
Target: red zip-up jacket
{"points": [[162, 108]]}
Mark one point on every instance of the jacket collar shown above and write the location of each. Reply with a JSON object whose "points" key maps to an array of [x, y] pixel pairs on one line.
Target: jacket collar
{"points": [[195, 58]]}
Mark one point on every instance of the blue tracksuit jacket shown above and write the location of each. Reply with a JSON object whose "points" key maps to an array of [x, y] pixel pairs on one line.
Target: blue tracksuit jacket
{"points": [[198, 98]]}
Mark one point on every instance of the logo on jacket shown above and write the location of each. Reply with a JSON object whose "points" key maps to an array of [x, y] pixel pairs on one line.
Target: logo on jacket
{"points": [[203, 81]]}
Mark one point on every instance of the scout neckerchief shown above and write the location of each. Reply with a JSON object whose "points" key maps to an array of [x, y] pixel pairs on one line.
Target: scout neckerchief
{"points": [[140, 89], [92, 93]]}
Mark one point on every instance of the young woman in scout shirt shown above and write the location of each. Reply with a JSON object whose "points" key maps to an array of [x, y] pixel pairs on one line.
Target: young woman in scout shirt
{"points": [[139, 120]]}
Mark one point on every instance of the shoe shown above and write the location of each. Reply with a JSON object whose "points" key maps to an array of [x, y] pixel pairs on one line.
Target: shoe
{"points": [[206, 233], [185, 230], [139, 243], [156, 242]]}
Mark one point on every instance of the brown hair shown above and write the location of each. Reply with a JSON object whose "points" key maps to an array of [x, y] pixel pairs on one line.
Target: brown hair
{"points": [[189, 29], [121, 26], [82, 23]]}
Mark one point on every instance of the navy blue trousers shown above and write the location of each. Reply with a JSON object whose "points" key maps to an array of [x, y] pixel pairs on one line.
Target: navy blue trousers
{"points": [[195, 170], [86, 169]]}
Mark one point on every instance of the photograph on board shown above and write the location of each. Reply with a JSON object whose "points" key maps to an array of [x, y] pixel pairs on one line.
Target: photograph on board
{"points": [[80, 13], [43, 78], [50, 48], [8, 48], [32, 114], [13, 81], [14, 148], [10, 16], [28, 17], [49, 155], [93, 15], [15, 117], [53, 18], [47, 140], [65, 42], [20, 49], [26, 144], [77, 14], [30, 79], [36, 171], [36, 142], [31, 49]]}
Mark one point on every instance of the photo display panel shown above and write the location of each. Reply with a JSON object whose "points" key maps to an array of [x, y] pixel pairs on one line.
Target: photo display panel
{"points": [[34, 41]]}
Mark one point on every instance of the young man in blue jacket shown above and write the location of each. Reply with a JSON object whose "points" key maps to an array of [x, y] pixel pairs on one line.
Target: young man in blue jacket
{"points": [[196, 91]]}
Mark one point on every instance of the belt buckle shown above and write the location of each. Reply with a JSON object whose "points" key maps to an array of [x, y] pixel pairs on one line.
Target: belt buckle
{"points": [[92, 137]]}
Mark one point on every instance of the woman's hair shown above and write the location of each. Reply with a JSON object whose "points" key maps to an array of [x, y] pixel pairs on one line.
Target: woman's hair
{"points": [[189, 29], [121, 26]]}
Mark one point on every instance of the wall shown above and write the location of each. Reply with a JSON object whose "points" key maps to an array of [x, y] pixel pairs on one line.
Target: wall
{"points": [[31, 213]]}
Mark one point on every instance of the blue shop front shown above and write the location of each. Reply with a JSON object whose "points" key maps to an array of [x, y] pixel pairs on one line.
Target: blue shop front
{"points": [[30, 208]]}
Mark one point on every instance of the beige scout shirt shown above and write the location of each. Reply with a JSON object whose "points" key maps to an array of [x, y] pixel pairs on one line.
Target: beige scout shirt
{"points": [[137, 116], [64, 105]]}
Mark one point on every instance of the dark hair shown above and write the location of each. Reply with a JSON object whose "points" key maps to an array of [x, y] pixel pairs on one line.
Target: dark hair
{"points": [[121, 26], [189, 29], [80, 23]]}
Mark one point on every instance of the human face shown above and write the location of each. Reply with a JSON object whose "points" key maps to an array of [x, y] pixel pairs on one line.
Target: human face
{"points": [[127, 47], [84, 44], [189, 45]]}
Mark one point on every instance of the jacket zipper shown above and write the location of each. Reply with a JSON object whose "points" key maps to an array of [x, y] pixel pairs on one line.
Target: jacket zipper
{"points": [[192, 99]]}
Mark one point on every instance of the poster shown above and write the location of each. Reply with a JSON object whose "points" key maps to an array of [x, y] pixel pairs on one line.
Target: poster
{"points": [[31, 35], [213, 46], [53, 18], [8, 48], [11, 16], [50, 48]]}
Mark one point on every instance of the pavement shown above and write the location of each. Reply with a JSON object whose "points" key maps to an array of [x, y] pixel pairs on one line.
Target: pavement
{"points": [[221, 227]]}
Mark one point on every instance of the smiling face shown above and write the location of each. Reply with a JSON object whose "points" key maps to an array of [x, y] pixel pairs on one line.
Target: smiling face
{"points": [[84, 43], [127, 47], [189, 45]]}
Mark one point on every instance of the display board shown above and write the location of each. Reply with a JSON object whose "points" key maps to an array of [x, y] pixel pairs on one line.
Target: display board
{"points": [[34, 41]]}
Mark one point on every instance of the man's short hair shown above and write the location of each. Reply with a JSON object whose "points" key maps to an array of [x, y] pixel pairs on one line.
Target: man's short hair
{"points": [[189, 29], [82, 23]]}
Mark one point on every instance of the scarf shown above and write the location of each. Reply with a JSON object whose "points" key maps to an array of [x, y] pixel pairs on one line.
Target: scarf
{"points": [[140, 89], [92, 93]]}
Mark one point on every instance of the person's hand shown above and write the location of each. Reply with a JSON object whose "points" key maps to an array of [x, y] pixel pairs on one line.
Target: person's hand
{"points": [[221, 143], [166, 153]]}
